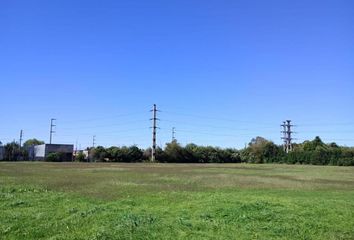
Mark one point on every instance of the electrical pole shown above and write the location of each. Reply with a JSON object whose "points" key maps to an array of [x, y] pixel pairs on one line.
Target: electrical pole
{"points": [[287, 135], [93, 141], [20, 152], [285, 142], [289, 132], [21, 135], [51, 129], [173, 134], [76, 147], [154, 128]]}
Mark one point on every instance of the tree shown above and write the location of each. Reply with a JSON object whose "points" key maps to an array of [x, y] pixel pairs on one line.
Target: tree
{"points": [[175, 152], [135, 154], [32, 142], [80, 157], [12, 151], [257, 141], [256, 149], [314, 144], [99, 154], [53, 157], [271, 152], [113, 153]]}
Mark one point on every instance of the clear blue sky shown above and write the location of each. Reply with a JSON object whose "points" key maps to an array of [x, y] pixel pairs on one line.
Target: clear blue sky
{"points": [[221, 72]]}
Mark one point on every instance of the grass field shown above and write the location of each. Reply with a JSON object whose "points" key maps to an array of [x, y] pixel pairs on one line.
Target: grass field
{"points": [[171, 201]]}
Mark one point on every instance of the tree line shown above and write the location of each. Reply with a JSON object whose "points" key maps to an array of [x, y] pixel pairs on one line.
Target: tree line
{"points": [[259, 150]]}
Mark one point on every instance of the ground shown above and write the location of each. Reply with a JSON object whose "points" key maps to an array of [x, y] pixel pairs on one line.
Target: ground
{"points": [[175, 201]]}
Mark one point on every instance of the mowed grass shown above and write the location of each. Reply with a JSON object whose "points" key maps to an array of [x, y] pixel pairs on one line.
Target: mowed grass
{"points": [[175, 201]]}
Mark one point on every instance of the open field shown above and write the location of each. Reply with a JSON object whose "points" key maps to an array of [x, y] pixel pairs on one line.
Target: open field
{"points": [[175, 201]]}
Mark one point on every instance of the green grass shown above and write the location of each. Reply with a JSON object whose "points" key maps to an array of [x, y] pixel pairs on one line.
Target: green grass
{"points": [[171, 201]]}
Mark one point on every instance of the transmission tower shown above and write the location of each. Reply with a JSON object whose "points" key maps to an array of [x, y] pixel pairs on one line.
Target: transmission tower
{"points": [[285, 142], [287, 135], [154, 128], [51, 129]]}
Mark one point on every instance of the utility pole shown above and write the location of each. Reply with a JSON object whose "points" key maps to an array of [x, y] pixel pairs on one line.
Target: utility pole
{"points": [[154, 128], [287, 135], [20, 152], [285, 141], [76, 147], [173, 134], [93, 141], [21, 135], [51, 129]]}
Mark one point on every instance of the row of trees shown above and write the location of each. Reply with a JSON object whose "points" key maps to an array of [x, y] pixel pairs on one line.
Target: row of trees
{"points": [[313, 152], [259, 150], [172, 153]]}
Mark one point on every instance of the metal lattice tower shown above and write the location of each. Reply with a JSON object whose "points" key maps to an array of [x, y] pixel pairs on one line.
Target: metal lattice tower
{"points": [[154, 129], [287, 136]]}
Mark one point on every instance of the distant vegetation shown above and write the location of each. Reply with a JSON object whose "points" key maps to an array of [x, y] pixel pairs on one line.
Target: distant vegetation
{"points": [[259, 150]]}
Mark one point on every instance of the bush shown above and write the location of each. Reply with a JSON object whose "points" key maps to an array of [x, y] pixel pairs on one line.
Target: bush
{"points": [[80, 157], [53, 157]]}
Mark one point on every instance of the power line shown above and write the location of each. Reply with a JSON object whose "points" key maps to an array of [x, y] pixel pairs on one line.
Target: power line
{"points": [[210, 130], [214, 126], [331, 139], [100, 118], [113, 133], [207, 133], [104, 125], [327, 124], [213, 118]]}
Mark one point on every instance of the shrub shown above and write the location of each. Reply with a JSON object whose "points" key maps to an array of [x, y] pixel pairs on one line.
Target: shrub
{"points": [[80, 157], [53, 157]]}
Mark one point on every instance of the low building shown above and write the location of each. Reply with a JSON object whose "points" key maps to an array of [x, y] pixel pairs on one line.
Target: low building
{"points": [[41, 152]]}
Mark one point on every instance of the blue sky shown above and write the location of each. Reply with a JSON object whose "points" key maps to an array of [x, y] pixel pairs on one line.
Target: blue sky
{"points": [[221, 72]]}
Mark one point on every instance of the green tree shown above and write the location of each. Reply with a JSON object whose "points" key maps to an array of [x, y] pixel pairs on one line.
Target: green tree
{"points": [[175, 152], [80, 157], [314, 144], [53, 157], [12, 151], [99, 154], [32, 142], [135, 154], [256, 150]]}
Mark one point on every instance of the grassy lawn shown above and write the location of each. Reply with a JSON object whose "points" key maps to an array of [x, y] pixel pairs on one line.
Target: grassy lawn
{"points": [[175, 201]]}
